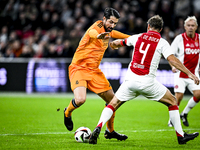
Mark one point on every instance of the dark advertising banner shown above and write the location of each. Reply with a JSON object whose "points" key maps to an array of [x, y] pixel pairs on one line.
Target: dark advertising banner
{"points": [[12, 76], [46, 76], [51, 75]]}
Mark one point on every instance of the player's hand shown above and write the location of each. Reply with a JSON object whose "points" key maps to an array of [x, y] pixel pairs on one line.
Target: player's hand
{"points": [[113, 46], [104, 35], [195, 78], [174, 70]]}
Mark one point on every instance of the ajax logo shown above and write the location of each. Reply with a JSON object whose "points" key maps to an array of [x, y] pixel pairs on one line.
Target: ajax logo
{"points": [[3, 76]]}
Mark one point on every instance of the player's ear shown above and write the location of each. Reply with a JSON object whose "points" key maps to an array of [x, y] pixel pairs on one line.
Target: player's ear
{"points": [[196, 27], [148, 27], [184, 26], [160, 30]]}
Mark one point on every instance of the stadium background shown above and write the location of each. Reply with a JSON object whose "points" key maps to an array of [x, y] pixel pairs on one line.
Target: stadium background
{"points": [[39, 38]]}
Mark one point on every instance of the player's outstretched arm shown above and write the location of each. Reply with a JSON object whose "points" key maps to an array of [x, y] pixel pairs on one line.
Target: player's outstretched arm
{"points": [[104, 35], [116, 44], [176, 63], [94, 34]]}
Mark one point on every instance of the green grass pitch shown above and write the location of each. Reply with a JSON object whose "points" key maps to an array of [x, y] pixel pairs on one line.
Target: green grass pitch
{"points": [[33, 122]]}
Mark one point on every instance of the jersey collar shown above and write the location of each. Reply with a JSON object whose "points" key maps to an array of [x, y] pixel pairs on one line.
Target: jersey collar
{"points": [[189, 38], [153, 32]]}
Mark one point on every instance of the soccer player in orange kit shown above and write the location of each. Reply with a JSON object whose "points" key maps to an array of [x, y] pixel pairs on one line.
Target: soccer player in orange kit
{"points": [[84, 69]]}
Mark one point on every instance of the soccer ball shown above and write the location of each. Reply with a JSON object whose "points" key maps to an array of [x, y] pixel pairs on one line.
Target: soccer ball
{"points": [[82, 135]]}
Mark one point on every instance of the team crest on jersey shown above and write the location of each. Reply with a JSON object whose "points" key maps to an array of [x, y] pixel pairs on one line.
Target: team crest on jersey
{"points": [[77, 82]]}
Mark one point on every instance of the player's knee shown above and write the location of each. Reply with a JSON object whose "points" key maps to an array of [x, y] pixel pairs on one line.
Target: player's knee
{"points": [[197, 96], [80, 100], [173, 101]]}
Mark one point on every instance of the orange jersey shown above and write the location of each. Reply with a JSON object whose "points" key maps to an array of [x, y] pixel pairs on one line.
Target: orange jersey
{"points": [[91, 50]]}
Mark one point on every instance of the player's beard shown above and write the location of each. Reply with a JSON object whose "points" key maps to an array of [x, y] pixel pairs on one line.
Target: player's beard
{"points": [[109, 29], [190, 34]]}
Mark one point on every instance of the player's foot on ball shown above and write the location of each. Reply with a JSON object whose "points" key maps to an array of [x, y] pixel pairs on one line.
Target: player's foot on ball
{"points": [[68, 121], [184, 119], [94, 135], [187, 137], [115, 135]]}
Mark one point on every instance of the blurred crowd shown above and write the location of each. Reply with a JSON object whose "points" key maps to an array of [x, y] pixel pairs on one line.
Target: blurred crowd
{"points": [[53, 28]]}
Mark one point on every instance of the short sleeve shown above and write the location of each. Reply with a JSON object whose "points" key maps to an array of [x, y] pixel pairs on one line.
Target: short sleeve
{"points": [[166, 49], [132, 40], [174, 44]]}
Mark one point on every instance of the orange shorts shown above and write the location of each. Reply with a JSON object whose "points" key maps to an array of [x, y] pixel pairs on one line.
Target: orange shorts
{"points": [[94, 80]]}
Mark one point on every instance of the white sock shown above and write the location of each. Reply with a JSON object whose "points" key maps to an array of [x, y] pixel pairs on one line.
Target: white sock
{"points": [[105, 116], [169, 119], [191, 103], [175, 119]]}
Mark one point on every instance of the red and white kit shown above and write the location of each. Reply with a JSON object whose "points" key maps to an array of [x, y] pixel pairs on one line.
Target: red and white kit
{"points": [[187, 50], [141, 75]]}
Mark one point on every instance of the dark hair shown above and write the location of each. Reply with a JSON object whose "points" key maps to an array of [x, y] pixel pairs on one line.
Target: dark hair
{"points": [[156, 22], [111, 12]]}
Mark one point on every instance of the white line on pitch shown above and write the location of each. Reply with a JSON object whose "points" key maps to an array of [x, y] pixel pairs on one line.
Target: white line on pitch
{"points": [[37, 133], [48, 133]]}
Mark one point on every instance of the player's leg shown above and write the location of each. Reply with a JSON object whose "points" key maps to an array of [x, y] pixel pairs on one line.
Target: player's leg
{"points": [[105, 116], [169, 100], [195, 90], [156, 91], [78, 86], [101, 86], [122, 95], [179, 97], [77, 101], [110, 133], [108, 111], [191, 103], [179, 89], [107, 97]]}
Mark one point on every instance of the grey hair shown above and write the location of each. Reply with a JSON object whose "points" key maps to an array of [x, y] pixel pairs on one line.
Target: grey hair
{"points": [[191, 18]]}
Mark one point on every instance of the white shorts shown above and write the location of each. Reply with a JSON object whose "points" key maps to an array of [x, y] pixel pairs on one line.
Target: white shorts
{"points": [[140, 85], [180, 85]]}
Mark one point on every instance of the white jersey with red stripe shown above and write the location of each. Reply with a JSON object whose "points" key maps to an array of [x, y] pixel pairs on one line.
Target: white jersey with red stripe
{"points": [[140, 77], [187, 51], [148, 50]]}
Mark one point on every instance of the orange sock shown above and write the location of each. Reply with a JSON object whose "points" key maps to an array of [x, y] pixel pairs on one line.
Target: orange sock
{"points": [[70, 108], [110, 123]]}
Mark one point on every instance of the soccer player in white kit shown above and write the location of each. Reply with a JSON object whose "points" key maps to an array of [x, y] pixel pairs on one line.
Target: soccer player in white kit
{"points": [[186, 48], [141, 77]]}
